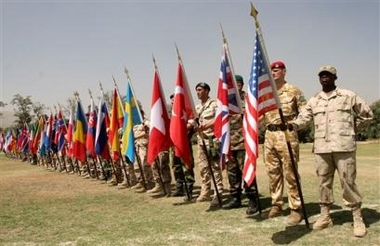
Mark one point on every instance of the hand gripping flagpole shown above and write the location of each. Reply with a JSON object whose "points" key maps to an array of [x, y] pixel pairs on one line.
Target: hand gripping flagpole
{"points": [[254, 14]]}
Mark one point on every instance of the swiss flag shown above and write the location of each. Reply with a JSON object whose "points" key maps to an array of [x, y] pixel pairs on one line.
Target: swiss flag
{"points": [[182, 111], [159, 138]]}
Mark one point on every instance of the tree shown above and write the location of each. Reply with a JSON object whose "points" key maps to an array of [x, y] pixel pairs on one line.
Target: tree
{"points": [[373, 130], [23, 109]]}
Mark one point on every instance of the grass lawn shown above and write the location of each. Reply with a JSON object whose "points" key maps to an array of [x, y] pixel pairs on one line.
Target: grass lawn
{"points": [[41, 207]]}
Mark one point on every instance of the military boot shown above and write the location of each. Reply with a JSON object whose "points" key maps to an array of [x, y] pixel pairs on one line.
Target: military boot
{"points": [[178, 189], [324, 219], [275, 211], [252, 206], [294, 217], [112, 181], [234, 202], [359, 226], [156, 189], [168, 188]]}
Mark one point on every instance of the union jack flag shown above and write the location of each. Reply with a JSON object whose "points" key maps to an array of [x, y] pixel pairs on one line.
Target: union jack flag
{"points": [[228, 101], [260, 99]]}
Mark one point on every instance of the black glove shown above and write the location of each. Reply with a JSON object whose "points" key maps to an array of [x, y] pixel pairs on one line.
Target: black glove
{"points": [[290, 127]]}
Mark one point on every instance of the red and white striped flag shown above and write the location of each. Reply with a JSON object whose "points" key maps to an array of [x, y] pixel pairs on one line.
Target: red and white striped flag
{"points": [[260, 99]]}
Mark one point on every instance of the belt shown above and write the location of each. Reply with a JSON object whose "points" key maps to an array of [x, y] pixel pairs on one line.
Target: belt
{"points": [[273, 127]]}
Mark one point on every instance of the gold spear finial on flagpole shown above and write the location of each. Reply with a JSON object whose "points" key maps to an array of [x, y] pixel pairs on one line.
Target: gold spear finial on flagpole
{"points": [[154, 62], [76, 95], [89, 92], [254, 14], [101, 88], [224, 37], [127, 73], [178, 55]]}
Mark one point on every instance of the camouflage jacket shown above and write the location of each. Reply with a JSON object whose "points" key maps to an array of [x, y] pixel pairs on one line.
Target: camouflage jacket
{"points": [[291, 99], [336, 117]]}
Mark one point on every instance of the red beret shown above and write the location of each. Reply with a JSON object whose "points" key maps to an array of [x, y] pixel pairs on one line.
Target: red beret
{"points": [[277, 64]]}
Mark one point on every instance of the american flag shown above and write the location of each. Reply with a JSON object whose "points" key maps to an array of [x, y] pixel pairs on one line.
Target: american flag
{"points": [[260, 99], [228, 103]]}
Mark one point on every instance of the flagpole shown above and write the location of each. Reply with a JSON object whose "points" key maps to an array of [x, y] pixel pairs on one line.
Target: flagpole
{"points": [[254, 14], [227, 50]]}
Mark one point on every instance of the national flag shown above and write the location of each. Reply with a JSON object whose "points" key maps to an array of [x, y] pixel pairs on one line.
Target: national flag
{"points": [[228, 101], [159, 136], [48, 133], [24, 146], [260, 99], [42, 146], [182, 111], [37, 135], [69, 136], [113, 134], [60, 132], [90, 138], [132, 117], [101, 138], [80, 132]]}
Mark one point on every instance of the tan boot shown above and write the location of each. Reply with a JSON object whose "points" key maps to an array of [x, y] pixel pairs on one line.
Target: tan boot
{"points": [[294, 218], [359, 226], [156, 189], [204, 197], [275, 211], [324, 220]]}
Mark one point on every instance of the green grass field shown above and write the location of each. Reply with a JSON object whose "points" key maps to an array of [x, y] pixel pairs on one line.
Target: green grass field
{"points": [[41, 207]]}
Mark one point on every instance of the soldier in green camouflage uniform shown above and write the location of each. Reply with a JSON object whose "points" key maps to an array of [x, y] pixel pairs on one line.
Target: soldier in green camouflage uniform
{"points": [[183, 173], [337, 115], [276, 154], [206, 111], [235, 164]]}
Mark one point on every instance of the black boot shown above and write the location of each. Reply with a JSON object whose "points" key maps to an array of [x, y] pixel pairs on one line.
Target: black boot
{"points": [[178, 189], [252, 207], [235, 202]]}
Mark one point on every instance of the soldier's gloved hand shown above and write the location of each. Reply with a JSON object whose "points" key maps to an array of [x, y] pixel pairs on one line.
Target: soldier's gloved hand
{"points": [[283, 127], [290, 127]]}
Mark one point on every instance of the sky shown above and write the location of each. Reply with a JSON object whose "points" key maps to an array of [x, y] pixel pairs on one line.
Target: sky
{"points": [[49, 49]]}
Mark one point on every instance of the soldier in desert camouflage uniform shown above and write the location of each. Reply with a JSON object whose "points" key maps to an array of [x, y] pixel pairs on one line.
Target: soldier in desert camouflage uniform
{"points": [[141, 144], [235, 164], [337, 115], [276, 154], [206, 112]]}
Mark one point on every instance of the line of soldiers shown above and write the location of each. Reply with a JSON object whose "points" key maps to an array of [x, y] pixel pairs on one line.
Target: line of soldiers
{"points": [[336, 114]]}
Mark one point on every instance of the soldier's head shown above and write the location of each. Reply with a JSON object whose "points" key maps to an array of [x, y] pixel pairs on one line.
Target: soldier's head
{"points": [[327, 76], [202, 89], [239, 82], [278, 71]]}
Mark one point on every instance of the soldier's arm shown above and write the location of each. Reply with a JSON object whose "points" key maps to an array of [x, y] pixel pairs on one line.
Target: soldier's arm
{"points": [[364, 114]]}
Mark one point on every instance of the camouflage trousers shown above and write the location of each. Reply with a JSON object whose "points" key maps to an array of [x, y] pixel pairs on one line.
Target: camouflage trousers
{"points": [[182, 174], [345, 164], [279, 168], [205, 172], [235, 167], [161, 168], [146, 168]]}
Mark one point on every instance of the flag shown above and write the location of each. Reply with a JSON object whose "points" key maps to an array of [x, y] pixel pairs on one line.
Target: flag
{"points": [[37, 135], [24, 147], [80, 132], [159, 137], [101, 138], [90, 138], [132, 117], [69, 136], [182, 111], [48, 133], [260, 99], [60, 132], [113, 134], [228, 101]]}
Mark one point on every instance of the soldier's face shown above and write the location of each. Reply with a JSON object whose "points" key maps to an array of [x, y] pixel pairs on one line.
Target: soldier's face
{"points": [[278, 73], [327, 79], [201, 92]]}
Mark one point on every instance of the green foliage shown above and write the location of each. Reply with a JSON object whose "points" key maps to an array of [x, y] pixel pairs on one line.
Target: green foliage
{"points": [[24, 106], [373, 130]]}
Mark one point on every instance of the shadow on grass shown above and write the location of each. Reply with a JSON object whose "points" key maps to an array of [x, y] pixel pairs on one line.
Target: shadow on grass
{"points": [[290, 234]]}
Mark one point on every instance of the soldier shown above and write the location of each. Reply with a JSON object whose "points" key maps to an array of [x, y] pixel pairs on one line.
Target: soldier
{"points": [[206, 112], [141, 143], [235, 164], [276, 154], [183, 173], [337, 115]]}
